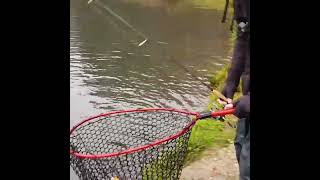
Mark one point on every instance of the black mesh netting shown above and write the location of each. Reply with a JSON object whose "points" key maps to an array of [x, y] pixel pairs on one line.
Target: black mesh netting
{"points": [[122, 131]]}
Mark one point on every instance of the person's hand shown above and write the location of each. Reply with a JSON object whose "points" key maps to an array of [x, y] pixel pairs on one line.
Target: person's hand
{"points": [[242, 107], [227, 105]]}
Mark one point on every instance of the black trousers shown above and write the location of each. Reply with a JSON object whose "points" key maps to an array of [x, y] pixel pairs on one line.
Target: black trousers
{"points": [[242, 146]]}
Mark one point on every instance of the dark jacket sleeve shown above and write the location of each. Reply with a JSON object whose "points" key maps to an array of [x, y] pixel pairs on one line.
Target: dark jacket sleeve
{"points": [[242, 107], [240, 64], [236, 69]]}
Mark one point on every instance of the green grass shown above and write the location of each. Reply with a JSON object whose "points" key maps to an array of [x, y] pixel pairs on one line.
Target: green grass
{"points": [[207, 134], [210, 133], [218, 81]]}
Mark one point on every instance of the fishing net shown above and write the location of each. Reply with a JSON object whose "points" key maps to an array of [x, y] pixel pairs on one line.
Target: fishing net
{"points": [[139, 144]]}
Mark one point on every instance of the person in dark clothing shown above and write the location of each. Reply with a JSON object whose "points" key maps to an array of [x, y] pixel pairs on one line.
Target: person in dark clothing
{"points": [[240, 69]]}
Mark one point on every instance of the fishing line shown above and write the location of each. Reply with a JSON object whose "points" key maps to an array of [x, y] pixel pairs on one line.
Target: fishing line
{"points": [[108, 9]]}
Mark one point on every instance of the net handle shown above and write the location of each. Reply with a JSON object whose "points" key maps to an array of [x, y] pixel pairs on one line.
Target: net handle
{"points": [[215, 113]]}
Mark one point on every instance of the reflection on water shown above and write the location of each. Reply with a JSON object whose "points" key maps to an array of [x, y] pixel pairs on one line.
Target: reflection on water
{"points": [[110, 72]]}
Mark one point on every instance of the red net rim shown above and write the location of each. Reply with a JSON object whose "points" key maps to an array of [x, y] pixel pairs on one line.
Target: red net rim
{"points": [[132, 150]]}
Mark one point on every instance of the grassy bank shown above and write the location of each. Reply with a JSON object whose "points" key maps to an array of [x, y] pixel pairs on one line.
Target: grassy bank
{"points": [[209, 133]]}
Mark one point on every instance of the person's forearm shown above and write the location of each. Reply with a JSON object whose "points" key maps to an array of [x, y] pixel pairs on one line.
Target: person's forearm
{"points": [[240, 62], [232, 82], [236, 69]]}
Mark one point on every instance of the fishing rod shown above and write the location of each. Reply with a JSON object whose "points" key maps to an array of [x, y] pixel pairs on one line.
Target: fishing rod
{"points": [[108, 9], [146, 39], [218, 94], [191, 74]]}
